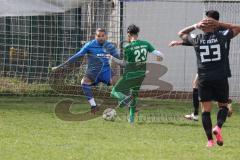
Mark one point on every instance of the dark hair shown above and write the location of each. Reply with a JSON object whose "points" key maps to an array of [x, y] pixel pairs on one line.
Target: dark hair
{"points": [[213, 14], [101, 30], [133, 29]]}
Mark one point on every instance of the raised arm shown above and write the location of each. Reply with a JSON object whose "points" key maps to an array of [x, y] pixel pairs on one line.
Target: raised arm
{"points": [[185, 31], [234, 27], [183, 34]]}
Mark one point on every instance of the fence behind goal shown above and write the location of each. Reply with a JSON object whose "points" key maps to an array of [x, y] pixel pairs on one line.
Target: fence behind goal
{"points": [[37, 35]]}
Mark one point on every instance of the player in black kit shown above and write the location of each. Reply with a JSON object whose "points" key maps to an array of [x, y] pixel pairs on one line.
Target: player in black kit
{"points": [[194, 116], [211, 49]]}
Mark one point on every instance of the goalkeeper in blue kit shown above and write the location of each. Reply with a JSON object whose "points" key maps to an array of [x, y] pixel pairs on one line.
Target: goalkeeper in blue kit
{"points": [[98, 67]]}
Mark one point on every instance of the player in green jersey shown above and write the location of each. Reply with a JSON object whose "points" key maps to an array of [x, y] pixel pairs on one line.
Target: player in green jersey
{"points": [[135, 57]]}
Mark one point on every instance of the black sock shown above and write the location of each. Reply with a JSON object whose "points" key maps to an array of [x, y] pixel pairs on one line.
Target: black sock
{"points": [[222, 115], [195, 101], [207, 124]]}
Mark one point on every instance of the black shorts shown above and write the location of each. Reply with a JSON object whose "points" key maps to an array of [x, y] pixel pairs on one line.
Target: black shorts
{"points": [[217, 90]]}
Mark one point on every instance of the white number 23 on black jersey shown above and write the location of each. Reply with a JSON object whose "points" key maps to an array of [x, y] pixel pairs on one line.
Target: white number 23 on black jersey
{"points": [[206, 50]]}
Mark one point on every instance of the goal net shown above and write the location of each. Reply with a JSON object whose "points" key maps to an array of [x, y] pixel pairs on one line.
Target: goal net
{"points": [[38, 35]]}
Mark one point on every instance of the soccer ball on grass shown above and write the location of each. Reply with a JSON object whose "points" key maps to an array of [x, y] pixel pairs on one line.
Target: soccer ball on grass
{"points": [[109, 114]]}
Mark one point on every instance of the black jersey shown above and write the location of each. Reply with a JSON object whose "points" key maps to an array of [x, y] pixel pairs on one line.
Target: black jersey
{"points": [[229, 74], [212, 50]]}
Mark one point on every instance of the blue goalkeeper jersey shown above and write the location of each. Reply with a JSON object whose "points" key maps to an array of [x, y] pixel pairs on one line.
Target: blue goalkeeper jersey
{"points": [[97, 55]]}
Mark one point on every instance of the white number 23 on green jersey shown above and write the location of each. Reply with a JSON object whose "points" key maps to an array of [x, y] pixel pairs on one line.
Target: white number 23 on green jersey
{"points": [[140, 55]]}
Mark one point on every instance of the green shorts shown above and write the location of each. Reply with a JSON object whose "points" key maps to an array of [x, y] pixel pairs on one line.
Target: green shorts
{"points": [[125, 84]]}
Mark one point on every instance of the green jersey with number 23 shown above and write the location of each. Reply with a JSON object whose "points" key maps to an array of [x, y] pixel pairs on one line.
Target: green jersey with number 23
{"points": [[135, 54]]}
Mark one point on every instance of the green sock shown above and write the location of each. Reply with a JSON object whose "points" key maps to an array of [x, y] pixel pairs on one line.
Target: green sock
{"points": [[132, 114], [120, 96]]}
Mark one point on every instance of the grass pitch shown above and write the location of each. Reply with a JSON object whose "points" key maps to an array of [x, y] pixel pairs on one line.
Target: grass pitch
{"points": [[29, 129]]}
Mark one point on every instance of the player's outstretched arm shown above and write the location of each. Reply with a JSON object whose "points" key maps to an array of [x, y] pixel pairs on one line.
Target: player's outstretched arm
{"points": [[175, 43], [114, 51], [54, 68], [179, 43], [72, 59], [79, 54], [118, 61], [59, 66]]}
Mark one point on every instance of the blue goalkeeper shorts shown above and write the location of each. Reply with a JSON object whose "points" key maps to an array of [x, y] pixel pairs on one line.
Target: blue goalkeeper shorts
{"points": [[103, 76]]}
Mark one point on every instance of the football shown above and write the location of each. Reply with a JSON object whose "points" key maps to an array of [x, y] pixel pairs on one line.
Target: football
{"points": [[109, 114]]}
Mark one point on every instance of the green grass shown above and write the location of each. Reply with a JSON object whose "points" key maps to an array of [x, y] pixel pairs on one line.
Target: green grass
{"points": [[17, 86], [29, 129]]}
